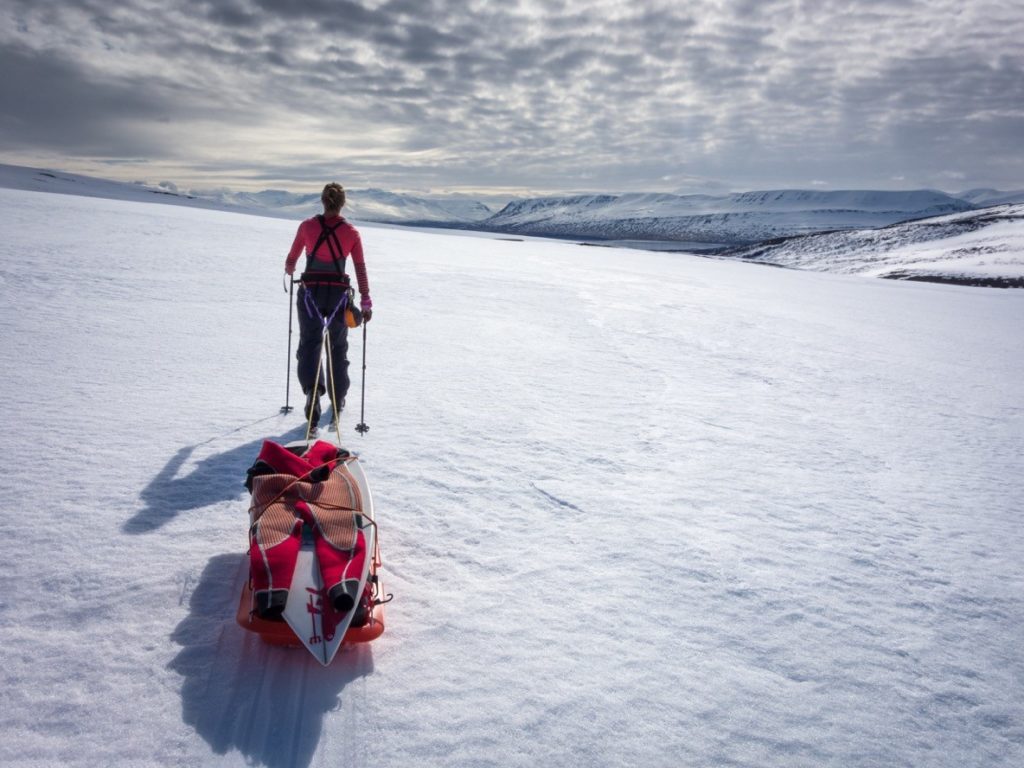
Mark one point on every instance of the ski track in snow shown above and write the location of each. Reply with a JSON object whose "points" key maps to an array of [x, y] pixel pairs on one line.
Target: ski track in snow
{"points": [[635, 508]]}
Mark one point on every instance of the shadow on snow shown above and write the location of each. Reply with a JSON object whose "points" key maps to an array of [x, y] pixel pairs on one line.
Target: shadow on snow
{"points": [[219, 477], [240, 694]]}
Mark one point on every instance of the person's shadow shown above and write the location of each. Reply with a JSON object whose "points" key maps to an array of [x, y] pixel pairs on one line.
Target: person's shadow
{"points": [[219, 477], [239, 693]]}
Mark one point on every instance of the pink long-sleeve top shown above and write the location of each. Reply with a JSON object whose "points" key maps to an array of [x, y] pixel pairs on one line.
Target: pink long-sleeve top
{"points": [[322, 261]]}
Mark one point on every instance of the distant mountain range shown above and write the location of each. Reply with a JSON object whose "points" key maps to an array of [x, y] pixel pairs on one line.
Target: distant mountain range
{"points": [[984, 198], [372, 205], [716, 220], [375, 205], [860, 231]]}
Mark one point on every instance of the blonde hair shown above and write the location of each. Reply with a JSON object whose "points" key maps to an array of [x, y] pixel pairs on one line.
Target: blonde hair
{"points": [[333, 197]]}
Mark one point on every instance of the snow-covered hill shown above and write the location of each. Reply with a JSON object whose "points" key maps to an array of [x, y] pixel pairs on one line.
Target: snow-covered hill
{"points": [[635, 508], [983, 247], [729, 219], [61, 182]]}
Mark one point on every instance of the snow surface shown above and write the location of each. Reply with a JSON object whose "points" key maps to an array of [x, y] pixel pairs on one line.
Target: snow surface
{"points": [[635, 508]]}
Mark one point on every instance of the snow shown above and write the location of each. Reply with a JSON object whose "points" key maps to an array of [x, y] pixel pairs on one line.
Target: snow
{"points": [[996, 251], [973, 246], [635, 508]]}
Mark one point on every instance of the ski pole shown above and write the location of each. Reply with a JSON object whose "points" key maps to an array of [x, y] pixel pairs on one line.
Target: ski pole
{"points": [[286, 408], [362, 427]]}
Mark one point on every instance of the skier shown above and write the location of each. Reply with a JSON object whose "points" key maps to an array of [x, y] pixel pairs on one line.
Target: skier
{"points": [[327, 240]]}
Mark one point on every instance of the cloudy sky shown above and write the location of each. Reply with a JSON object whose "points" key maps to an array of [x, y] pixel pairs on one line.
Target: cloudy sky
{"points": [[518, 96]]}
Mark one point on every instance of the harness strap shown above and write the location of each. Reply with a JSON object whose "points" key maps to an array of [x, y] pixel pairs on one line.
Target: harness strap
{"points": [[324, 278], [327, 234], [314, 311]]}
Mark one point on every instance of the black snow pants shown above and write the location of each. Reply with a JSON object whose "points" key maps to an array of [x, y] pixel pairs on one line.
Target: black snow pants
{"points": [[325, 297]]}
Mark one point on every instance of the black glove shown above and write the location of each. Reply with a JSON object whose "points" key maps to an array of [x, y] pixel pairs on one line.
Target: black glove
{"points": [[367, 314]]}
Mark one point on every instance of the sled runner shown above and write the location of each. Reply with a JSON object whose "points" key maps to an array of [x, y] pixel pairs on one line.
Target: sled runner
{"points": [[314, 554]]}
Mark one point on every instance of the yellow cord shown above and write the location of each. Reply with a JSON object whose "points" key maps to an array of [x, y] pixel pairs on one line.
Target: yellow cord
{"points": [[334, 393], [325, 344], [316, 382]]}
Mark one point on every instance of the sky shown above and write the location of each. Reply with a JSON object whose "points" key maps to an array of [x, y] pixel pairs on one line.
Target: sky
{"points": [[524, 97]]}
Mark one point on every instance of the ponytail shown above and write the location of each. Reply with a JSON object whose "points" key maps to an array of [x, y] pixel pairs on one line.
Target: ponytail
{"points": [[333, 197]]}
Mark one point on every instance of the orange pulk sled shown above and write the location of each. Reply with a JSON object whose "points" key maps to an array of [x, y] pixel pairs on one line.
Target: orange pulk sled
{"points": [[314, 553]]}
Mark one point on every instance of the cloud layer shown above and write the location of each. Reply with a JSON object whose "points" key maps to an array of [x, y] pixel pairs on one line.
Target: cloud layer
{"points": [[533, 95]]}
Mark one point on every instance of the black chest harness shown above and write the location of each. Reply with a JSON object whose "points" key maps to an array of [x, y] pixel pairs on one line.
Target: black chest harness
{"points": [[327, 235], [326, 294]]}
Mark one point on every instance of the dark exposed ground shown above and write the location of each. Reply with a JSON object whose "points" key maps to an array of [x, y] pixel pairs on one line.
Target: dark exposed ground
{"points": [[981, 282]]}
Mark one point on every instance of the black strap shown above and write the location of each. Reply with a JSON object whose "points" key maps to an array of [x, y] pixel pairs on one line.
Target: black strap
{"points": [[327, 235]]}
